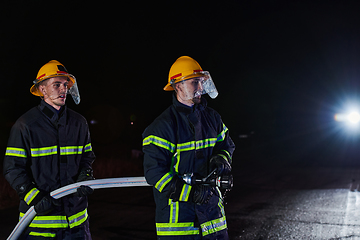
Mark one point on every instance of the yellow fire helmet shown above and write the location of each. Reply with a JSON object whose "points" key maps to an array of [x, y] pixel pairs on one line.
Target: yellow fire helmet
{"points": [[185, 68], [55, 69]]}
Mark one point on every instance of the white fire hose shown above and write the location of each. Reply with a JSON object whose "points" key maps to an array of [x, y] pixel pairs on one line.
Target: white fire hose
{"points": [[72, 188]]}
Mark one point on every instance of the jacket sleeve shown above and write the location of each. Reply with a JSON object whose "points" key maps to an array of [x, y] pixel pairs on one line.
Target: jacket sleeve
{"points": [[224, 145], [16, 157], [159, 148], [88, 156]]}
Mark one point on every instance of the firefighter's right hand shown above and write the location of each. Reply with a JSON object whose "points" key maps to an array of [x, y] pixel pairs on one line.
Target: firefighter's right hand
{"points": [[201, 194], [46, 205]]}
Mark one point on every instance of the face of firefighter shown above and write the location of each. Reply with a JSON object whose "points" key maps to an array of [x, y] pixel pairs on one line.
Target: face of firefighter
{"points": [[54, 91], [186, 91]]}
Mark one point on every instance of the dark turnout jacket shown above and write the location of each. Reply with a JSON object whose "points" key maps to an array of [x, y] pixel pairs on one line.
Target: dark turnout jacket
{"points": [[49, 149], [181, 141]]}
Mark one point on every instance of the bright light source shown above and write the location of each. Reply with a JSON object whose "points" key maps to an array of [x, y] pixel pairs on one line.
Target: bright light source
{"points": [[353, 117]]}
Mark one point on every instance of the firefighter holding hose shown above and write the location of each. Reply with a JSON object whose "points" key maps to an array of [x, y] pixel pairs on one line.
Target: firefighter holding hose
{"points": [[188, 138], [49, 147]]}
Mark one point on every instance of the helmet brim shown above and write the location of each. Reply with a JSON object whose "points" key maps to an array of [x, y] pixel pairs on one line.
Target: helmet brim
{"points": [[34, 90]]}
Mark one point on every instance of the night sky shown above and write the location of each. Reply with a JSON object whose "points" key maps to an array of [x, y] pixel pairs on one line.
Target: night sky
{"points": [[282, 68]]}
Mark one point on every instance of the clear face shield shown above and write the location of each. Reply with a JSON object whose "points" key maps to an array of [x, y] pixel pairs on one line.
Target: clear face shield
{"points": [[74, 92], [197, 84]]}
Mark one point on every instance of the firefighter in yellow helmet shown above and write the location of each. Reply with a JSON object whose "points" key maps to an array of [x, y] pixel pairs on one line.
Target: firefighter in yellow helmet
{"points": [[50, 147], [187, 153]]}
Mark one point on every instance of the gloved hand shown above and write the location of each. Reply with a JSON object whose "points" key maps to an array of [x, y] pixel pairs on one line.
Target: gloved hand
{"points": [[84, 191], [42, 201], [221, 165], [46, 205], [175, 188], [85, 175], [201, 194]]}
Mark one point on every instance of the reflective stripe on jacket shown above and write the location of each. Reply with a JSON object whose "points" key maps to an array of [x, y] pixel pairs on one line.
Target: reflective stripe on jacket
{"points": [[58, 221]]}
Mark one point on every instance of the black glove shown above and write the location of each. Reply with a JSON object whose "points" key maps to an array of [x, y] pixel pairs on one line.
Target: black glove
{"points": [[84, 191], [85, 175], [43, 203], [221, 165], [175, 188], [46, 205], [201, 194]]}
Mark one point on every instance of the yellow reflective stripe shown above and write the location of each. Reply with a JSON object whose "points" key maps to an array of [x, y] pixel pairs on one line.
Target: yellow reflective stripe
{"points": [[221, 136], [53, 150], [16, 152], [77, 219], [163, 181], [40, 234], [213, 226], [209, 142], [176, 229], [187, 146], [200, 144], [70, 150], [58, 221], [43, 151], [49, 222], [227, 153], [88, 147], [31, 195], [174, 212], [160, 142], [185, 192]]}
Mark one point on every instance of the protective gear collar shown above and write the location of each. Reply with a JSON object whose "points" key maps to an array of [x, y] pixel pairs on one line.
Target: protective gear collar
{"points": [[55, 69]]}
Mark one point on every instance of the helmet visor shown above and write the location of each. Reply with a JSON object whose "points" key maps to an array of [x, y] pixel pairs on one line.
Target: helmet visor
{"points": [[74, 92], [197, 84]]}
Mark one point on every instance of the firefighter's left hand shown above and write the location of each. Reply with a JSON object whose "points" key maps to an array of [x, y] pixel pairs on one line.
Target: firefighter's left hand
{"points": [[221, 165], [85, 175], [84, 191]]}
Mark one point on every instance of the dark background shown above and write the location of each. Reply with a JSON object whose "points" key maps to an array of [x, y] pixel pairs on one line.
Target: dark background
{"points": [[282, 69]]}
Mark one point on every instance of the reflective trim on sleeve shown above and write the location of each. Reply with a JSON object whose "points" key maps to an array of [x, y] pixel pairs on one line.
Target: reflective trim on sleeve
{"points": [[16, 152], [31, 195], [43, 151], [163, 181], [78, 218], [227, 154], [160, 142], [88, 147], [213, 226], [176, 229], [221, 136]]}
